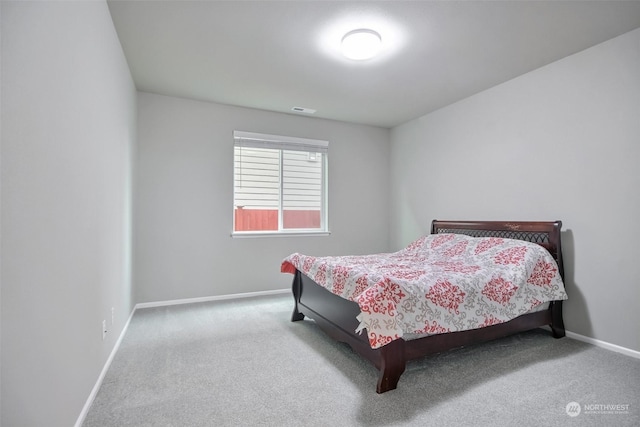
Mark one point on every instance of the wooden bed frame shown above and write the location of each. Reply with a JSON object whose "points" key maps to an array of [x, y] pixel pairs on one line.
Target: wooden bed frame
{"points": [[336, 316]]}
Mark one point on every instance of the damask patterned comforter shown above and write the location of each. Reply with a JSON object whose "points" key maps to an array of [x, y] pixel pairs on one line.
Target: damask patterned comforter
{"points": [[439, 283]]}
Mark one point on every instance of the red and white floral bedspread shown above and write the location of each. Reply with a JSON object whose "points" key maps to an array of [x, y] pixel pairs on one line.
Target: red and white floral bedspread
{"points": [[439, 283]]}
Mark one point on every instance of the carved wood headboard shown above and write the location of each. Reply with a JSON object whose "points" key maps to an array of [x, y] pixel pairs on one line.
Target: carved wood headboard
{"points": [[544, 233]]}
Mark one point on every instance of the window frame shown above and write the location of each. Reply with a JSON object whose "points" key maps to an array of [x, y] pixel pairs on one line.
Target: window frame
{"points": [[282, 144]]}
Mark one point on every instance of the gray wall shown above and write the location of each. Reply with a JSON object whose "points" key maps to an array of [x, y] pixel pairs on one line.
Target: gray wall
{"points": [[184, 198], [68, 130], [0, 214], [557, 143]]}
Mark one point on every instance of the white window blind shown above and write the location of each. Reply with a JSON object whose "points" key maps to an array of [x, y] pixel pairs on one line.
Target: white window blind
{"points": [[279, 183]]}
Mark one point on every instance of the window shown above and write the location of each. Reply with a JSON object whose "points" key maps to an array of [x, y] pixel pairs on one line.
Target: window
{"points": [[280, 184]]}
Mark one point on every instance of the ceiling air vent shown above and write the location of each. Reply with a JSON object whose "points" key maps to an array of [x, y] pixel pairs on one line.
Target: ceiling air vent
{"points": [[303, 110]]}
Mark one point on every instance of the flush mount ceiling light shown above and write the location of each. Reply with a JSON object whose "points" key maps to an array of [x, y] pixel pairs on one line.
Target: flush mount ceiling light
{"points": [[361, 44]]}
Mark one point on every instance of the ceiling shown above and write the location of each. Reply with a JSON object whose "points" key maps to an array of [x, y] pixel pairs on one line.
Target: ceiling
{"points": [[276, 55]]}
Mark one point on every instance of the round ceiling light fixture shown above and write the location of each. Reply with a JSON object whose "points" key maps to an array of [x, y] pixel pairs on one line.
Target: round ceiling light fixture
{"points": [[361, 44]]}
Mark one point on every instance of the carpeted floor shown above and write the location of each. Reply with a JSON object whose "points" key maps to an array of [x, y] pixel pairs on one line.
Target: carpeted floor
{"points": [[243, 363]]}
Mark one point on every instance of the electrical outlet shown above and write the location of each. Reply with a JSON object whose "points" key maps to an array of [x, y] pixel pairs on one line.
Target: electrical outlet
{"points": [[104, 329], [113, 315]]}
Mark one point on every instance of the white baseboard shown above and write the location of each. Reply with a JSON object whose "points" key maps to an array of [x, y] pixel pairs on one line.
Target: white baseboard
{"points": [[96, 387], [604, 344], [213, 298]]}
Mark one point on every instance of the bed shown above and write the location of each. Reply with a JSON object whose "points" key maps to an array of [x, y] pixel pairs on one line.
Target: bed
{"points": [[341, 318]]}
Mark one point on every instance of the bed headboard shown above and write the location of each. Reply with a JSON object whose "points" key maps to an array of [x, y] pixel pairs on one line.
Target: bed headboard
{"points": [[544, 233]]}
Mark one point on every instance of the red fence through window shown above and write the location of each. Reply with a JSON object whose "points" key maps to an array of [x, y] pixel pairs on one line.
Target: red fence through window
{"points": [[267, 219]]}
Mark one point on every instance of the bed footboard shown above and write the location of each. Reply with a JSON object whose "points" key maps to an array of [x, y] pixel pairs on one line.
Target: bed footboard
{"points": [[337, 318]]}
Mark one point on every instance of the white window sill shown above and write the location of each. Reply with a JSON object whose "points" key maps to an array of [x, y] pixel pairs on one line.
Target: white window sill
{"points": [[254, 234]]}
